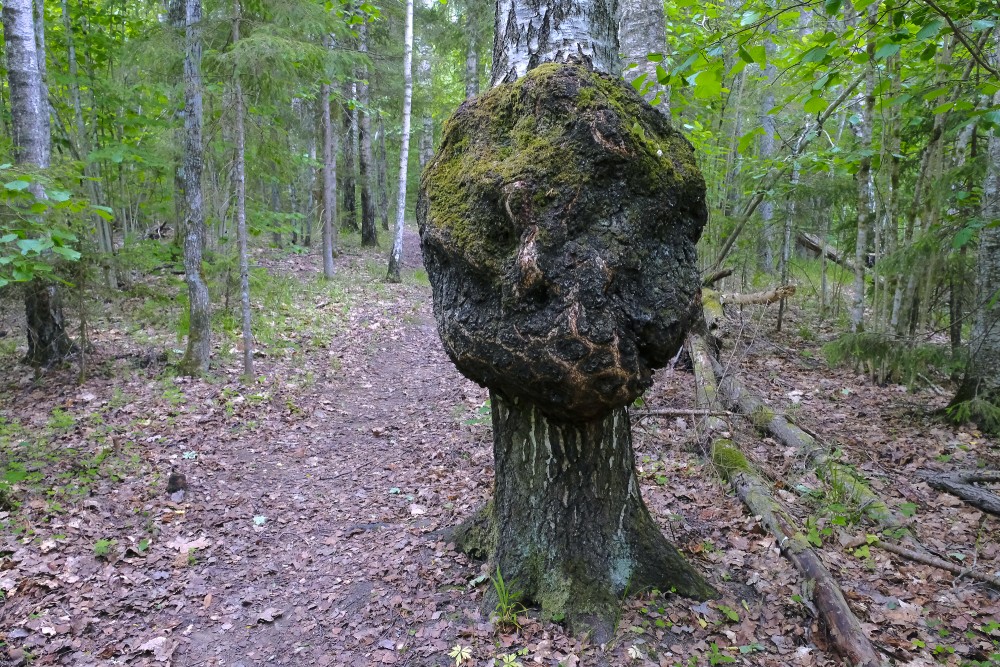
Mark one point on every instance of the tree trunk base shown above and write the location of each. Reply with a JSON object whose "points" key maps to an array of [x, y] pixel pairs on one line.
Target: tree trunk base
{"points": [[48, 342], [567, 527]]}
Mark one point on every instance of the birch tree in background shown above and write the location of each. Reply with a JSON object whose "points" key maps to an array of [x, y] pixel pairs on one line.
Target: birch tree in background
{"points": [[329, 203], [46, 330], [240, 181], [382, 189], [366, 159], [642, 31], [349, 182], [199, 344], [424, 81], [471, 55], [396, 255]]}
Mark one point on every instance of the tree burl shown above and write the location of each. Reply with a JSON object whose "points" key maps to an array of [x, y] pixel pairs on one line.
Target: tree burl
{"points": [[558, 222]]}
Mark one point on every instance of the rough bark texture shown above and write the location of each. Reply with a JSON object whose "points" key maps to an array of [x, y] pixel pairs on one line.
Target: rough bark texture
{"points": [[240, 179], [532, 32], [47, 339], [573, 533], [199, 345], [642, 31], [396, 255], [471, 54], [382, 162], [963, 485], [558, 223], [366, 157]]}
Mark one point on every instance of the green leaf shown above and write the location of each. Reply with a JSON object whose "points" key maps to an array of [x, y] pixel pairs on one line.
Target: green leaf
{"points": [[18, 185], [104, 212], [908, 509], [930, 30], [886, 50], [30, 245], [745, 55], [942, 108], [832, 6], [815, 55], [983, 24], [68, 253], [639, 80], [815, 104], [59, 195], [749, 18], [662, 75], [7, 238]]}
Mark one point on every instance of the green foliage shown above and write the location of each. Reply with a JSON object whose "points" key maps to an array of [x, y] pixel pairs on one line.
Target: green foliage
{"points": [[508, 604], [888, 359], [979, 410]]}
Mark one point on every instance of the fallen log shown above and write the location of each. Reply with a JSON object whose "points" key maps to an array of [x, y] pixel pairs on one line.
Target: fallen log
{"points": [[763, 298], [715, 277], [821, 247], [845, 629], [679, 412], [963, 485]]}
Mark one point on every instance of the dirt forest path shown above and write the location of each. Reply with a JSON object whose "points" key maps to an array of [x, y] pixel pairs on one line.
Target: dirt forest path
{"points": [[310, 533]]}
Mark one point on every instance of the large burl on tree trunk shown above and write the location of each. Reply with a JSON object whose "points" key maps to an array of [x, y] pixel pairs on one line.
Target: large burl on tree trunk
{"points": [[558, 224]]}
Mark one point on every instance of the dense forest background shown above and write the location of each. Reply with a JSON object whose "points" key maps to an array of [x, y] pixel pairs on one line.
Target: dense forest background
{"points": [[229, 431]]}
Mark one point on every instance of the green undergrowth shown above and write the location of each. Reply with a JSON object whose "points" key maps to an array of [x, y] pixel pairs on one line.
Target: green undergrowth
{"points": [[886, 358], [54, 468]]}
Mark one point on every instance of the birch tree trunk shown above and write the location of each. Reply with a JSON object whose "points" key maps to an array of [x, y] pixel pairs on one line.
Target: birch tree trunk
{"points": [[471, 54], [642, 31], [396, 254], [329, 203], [39, 17], [240, 180], [767, 153], [567, 522], [199, 343], [427, 129], [369, 232], [382, 191], [48, 342], [980, 389], [532, 32], [865, 185]]}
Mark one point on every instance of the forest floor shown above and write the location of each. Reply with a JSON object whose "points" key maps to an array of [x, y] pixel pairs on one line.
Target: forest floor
{"points": [[310, 533]]}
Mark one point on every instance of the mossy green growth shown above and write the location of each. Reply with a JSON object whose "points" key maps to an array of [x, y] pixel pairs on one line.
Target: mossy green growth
{"points": [[528, 148], [729, 459]]}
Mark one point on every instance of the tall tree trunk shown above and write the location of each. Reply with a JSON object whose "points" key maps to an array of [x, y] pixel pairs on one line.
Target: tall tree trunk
{"points": [[642, 31], [46, 330], [39, 18], [425, 82], [105, 240], [471, 54], [570, 525], [980, 389], [865, 184], [382, 160], [240, 179], [199, 344], [350, 181], [396, 254], [329, 203], [767, 238], [369, 231]]}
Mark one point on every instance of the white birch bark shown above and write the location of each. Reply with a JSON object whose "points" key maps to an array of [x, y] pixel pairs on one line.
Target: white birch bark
{"points": [[395, 256], [39, 10], [240, 180], [199, 343], [471, 54], [767, 153], [865, 188], [366, 160], [642, 31], [532, 32], [425, 82]]}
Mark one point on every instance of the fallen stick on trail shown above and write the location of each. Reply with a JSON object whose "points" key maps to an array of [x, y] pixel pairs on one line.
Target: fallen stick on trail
{"points": [[668, 412], [770, 296], [934, 561], [715, 277], [845, 629], [963, 485]]}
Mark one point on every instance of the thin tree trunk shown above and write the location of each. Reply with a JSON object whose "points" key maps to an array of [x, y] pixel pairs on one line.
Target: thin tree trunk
{"points": [[424, 81], [369, 231], [240, 179], [199, 345], [48, 342], [350, 221], [471, 54], [767, 153], [381, 160], [396, 255], [39, 18], [329, 203], [865, 186]]}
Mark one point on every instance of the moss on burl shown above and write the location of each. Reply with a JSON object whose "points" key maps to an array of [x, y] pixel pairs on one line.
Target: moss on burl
{"points": [[558, 222]]}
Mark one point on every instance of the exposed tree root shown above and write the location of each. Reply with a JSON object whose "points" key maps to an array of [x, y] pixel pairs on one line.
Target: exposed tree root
{"points": [[963, 485], [845, 630]]}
